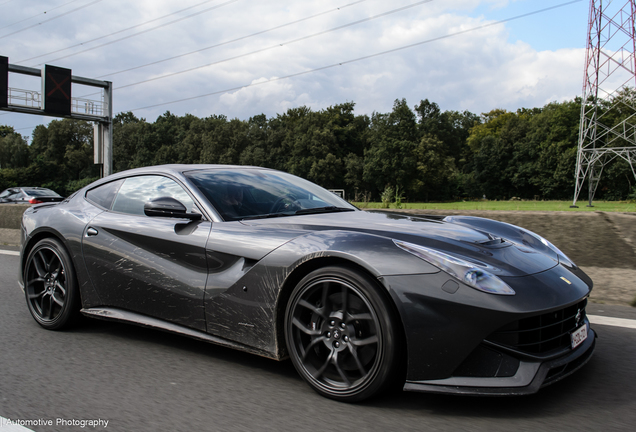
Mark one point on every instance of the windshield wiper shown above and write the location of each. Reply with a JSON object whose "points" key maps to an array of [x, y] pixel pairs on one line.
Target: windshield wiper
{"points": [[268, 215], [327, 209], [315, 210]]}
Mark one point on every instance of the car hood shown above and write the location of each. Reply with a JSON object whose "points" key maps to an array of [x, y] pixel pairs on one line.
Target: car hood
{"points": [[509, 250]]}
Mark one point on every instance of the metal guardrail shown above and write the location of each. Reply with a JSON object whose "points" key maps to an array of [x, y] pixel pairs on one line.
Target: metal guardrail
{"points": [[25, 98]]}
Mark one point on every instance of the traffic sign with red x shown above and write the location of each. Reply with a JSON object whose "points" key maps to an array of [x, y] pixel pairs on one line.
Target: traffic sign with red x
{"points": [[57, 90]]}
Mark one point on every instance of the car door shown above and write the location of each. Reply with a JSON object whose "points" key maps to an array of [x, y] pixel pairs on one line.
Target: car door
{"points": [[155, 266]]}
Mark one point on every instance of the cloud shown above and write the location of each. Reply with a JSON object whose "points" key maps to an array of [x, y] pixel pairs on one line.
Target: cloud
{"points": [[477, 71], [264, 95]]}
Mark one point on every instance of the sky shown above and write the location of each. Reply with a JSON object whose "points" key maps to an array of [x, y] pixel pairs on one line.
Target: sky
{"points": [[241, 58]]}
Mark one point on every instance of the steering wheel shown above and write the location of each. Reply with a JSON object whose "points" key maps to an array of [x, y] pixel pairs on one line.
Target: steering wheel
{"points": [[290, 205]]}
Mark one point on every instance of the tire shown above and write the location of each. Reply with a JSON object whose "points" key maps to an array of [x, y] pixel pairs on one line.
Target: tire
{"points": [[342, 334], [50, 285]]}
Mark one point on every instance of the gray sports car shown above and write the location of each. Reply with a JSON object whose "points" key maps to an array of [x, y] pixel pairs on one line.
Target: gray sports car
{"points": [[269, 263]]}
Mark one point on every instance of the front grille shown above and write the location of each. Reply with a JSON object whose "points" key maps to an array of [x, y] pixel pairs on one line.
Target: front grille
{"points": [[541, 334]]}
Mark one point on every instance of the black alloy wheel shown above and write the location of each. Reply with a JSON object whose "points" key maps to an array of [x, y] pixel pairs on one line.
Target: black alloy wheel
{"points": [[341, 334], [50, 287]]}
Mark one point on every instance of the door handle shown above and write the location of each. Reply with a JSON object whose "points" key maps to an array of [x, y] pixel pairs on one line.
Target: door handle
{"points": [[91, 232]]}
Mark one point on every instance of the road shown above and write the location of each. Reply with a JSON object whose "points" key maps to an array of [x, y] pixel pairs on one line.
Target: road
{"points": [[144, 380]]}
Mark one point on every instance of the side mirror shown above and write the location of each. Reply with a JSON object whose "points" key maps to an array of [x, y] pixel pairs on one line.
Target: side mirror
{"points": [[168, 207]]}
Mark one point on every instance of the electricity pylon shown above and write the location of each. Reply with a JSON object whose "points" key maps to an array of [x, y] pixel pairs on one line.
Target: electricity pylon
{"points": [[608, 107]]}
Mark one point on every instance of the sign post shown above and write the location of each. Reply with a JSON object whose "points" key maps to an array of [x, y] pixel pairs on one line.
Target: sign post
{"points": [[56, 100]]}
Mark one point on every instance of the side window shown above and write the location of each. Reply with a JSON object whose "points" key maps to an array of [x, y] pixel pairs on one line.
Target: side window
{"points": [[136, 191], [104, 195]]}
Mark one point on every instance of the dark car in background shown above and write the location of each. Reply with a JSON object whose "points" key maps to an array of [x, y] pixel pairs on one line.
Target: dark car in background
{"points": [[29, 195], [266, 262]]}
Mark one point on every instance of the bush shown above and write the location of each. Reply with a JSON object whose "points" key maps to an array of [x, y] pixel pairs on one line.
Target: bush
{"points": [[387, 196], [398, 198]]}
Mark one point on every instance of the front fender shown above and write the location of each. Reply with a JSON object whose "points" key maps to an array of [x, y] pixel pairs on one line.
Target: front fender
{"points": [[257, 293]]}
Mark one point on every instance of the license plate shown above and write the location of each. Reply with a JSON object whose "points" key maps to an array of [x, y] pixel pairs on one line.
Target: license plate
{"points": [[578, 336]]}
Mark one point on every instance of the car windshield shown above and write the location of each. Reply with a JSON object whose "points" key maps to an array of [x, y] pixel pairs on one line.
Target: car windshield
{"points": [[254, 193]]}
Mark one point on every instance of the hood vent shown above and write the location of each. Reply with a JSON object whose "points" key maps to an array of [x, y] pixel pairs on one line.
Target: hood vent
{"points": [[492, 241]]}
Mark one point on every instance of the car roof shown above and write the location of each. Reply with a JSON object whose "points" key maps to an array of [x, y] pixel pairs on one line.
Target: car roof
{"points": [[26, 188], [173, 169], [192, 167], [179, 169]]}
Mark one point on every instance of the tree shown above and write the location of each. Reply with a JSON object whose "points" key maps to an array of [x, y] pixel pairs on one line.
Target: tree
{"points": [[131, 142], [68, 144], [390, 159], [552, 145], [435, 170], [14, 151]]}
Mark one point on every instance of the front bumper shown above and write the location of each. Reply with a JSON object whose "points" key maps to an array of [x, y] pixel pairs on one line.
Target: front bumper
{"points": [[454, 337], [530, 376]]}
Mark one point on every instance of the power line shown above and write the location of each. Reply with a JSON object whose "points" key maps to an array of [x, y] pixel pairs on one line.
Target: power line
{"points": [[34, 16], [117, 32], [235, 40], [25, 128], [278, 45], [51, 19], [361, 58], [273, 46], [144, 31]]}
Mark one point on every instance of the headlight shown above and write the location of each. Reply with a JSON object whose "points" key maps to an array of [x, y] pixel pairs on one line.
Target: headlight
{"points": [[462, 270]]}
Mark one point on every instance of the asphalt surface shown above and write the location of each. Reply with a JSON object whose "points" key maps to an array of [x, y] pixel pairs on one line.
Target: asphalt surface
{"points": [[145, 380]]}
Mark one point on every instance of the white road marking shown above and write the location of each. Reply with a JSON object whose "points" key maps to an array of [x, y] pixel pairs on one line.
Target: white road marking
{"points": [[10, 426], [611, 321], [8, 252]]}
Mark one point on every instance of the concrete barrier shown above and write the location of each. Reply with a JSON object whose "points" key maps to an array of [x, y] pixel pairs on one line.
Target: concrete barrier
{"points": [[11, 214]]}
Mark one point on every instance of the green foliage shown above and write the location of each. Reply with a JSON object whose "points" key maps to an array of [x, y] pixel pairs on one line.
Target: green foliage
{"points": [[435, 170], [36, 174], [14, 151], [75, 185], [6, 130], [59, 154], [387, 196], [398, 198]]}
